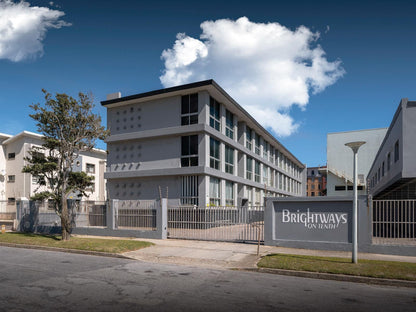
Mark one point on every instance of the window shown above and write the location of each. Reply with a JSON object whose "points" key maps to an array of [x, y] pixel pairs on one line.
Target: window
{"points": [[214, 114], [189, 190], [388, 161], [229, 193], [312, 193], [396, 151], [249, 195], [214, 153], [189, 153], [214, 191], [313, 172], [249, 168], [189, 109], [313, 186], [229, 159], [11, 178], [257, 197], [257, 171], [229, 124], [379, 175], [35, 180], [257, 144], [90, 168], [249, 138], [11, 200], [382, 169], [266, 150], [339, 187], [11, 156], [265, 175]]}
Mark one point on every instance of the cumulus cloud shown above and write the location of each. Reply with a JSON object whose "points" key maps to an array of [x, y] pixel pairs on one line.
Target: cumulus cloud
{"points": [[23, 28], [267, 68]]}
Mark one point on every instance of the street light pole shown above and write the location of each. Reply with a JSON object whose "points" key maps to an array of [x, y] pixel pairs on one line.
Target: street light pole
{"points": [[355, 146]]}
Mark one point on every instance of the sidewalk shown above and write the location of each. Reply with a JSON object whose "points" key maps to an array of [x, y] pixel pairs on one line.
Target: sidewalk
{"points": [[222, 255]]}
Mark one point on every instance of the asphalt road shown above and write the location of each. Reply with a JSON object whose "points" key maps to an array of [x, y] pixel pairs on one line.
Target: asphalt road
{"points": [[36, 280]]}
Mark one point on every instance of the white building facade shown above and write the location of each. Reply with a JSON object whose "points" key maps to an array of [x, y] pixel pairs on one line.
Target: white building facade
{"points": [[195, 145], [14, 184]]}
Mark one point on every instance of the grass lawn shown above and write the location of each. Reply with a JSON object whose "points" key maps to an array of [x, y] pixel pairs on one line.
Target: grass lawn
{"points": [[369, 268], [89, 244]]}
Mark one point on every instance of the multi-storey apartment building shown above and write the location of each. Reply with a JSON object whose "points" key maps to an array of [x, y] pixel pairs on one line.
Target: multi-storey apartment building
{"points": [[316, 181], [15, 185], [196, 145], [393, 172]]}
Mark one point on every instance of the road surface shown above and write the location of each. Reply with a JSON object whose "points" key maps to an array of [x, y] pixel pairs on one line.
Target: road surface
{"points": [[36, 280]]}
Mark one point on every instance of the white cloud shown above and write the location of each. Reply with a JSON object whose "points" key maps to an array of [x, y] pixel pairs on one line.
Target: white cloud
{"points": [[267, 68], [23, 28]]}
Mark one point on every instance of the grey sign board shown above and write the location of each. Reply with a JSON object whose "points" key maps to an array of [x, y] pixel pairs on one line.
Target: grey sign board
{"points": [[323, 221]]}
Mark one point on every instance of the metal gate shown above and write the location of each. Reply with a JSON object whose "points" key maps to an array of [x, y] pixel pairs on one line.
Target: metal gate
{"points": [[234, 224]]}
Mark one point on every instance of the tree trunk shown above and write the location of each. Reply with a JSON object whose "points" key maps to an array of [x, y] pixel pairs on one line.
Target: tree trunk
{"points": [[65, 222]]}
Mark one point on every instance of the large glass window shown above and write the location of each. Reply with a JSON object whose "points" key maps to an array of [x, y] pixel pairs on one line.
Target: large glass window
{"points": [[229, 159], [214, 191], [189, 109], [265, 175], [229, 124], [249, 168], [257, 171], [214, 114], [257, 144], [249, 138], [266, 150], [189, 153], [229, 193], [214, 153]]}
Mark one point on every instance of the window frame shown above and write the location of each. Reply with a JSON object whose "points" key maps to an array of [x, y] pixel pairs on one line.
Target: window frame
{"points": [[189, 158], [188, 115], [214, 114], [214, 154]]}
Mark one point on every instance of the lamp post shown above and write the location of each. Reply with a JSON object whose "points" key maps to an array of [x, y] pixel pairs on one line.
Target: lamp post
{"points": [[355, 146]]}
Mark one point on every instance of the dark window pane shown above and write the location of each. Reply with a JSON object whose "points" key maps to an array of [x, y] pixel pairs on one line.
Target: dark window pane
{"points": [[194, 103], [185, 145], [193, 145], [194, 161], [193, 119], [185, 121], [185, 162], [185, 104]]}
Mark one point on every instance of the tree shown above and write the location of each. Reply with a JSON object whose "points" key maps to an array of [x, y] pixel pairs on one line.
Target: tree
{"points": [[69, 127]]}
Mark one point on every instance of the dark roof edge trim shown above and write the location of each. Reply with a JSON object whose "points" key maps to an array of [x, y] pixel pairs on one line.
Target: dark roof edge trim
{"points": [[160, 91]]}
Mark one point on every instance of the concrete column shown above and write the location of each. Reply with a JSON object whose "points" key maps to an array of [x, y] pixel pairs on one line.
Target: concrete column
{"points": [[112, 213], [162, 219]]}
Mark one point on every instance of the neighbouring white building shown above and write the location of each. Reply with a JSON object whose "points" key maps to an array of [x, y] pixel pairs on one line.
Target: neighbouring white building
{"points": [[14, 184], [340, 160]]}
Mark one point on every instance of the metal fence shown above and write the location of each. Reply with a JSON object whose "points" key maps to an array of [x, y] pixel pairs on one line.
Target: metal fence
{"points": [[394, 222], [237, 224], [136, 214], [90, 214]]}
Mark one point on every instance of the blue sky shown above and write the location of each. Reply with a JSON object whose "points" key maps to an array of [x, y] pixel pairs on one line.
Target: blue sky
{"points": [[103, 47]]}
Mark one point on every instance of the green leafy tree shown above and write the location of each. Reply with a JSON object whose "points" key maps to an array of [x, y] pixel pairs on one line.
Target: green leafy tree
{"points": [[69, 127]]}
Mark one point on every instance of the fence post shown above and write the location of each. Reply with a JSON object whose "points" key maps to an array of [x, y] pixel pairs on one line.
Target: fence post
{"points": [[162, 219], [112, 212]]}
